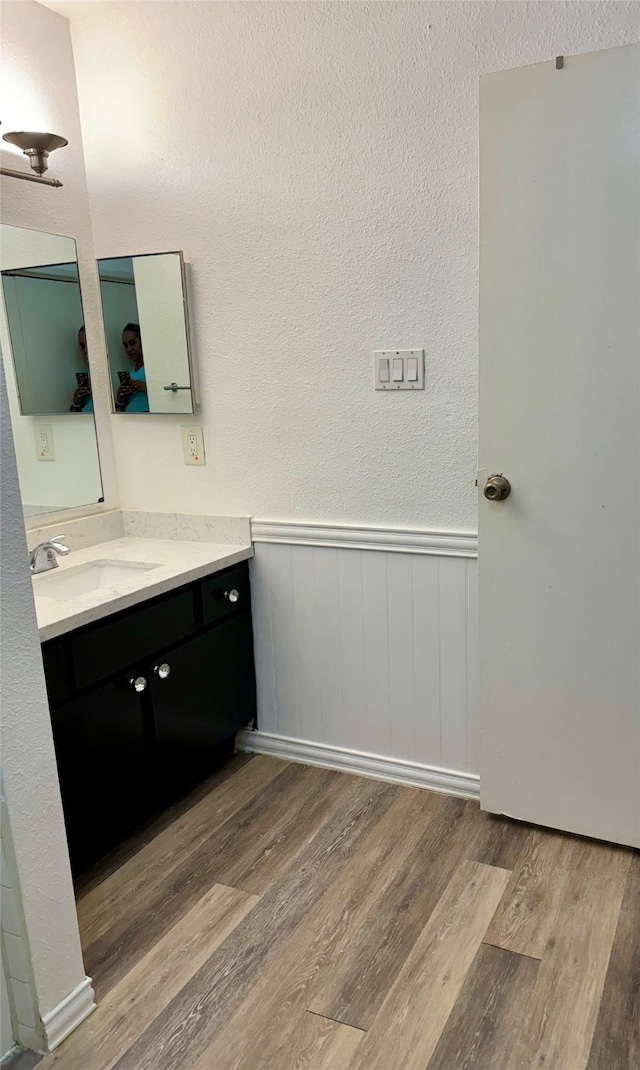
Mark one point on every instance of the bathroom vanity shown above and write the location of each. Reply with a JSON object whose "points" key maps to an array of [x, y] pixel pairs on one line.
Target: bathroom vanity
{"points": [[146, 689], [145, 619]]}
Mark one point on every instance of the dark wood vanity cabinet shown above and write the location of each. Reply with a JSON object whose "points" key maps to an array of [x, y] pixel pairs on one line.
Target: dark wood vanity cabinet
{"points": [[191, 718], [105, 767], [134, 733]]}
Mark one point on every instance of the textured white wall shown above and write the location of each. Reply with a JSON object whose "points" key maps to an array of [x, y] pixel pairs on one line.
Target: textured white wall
{"points": [[317, 163], [39, 77], [38, 90], [29, 774]]}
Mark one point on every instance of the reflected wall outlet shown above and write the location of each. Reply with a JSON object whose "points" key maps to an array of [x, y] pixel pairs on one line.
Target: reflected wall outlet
{"points": [[193, 445], [45, 446]]}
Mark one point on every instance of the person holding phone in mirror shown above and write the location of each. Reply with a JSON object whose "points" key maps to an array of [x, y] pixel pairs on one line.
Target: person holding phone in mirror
{"points": [[81, 400], [132, 392]]}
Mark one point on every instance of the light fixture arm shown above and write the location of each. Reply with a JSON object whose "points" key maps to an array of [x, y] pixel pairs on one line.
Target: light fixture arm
{"points": [[30, 178]]}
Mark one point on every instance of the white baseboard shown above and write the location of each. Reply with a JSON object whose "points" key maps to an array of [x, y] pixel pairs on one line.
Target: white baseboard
{"points": [[69, 1013], [395, 770]]}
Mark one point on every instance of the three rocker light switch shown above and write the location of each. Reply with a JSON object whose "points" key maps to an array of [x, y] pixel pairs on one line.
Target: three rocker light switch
{"points": [[398, 369]]}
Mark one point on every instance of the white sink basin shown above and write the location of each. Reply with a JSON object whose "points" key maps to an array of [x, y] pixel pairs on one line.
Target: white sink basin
{"points": [[73, 582]]}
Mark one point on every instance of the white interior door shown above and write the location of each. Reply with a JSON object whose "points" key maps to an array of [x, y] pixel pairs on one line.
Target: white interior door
{"points": [[559, 559], [163, 324]]}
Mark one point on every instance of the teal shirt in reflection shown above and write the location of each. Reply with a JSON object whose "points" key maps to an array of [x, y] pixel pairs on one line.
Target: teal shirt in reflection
{"points": [[139, 402]]}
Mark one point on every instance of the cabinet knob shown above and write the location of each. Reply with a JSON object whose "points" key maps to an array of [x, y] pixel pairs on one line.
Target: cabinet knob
{"points": [[232, 596], [138, 683], [162, 670]]}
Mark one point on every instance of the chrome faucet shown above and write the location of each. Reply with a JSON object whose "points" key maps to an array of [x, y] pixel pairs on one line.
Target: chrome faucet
{"points": [[43, 556]]}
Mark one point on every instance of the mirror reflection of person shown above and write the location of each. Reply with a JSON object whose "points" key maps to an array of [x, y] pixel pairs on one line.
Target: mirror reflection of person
{"points": [[81, 399], [132, 395]]}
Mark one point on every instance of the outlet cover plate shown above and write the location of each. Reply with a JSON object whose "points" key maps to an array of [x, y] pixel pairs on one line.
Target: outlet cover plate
{"points": [[45, 445], [193, 445]]}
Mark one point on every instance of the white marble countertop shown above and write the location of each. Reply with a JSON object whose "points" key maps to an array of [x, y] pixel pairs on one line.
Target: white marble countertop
{"points": [[175, 563]]}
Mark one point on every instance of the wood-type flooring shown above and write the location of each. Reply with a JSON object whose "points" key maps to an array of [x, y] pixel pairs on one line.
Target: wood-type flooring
{"points": [[286, 917]]}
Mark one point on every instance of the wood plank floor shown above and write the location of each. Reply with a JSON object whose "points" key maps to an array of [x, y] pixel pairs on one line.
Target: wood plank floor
{"points": [[291, 918]]}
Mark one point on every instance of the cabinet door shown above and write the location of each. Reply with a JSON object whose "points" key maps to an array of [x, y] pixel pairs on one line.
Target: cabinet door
{"points": [[102, 749], [55, 670], [208, 695]]}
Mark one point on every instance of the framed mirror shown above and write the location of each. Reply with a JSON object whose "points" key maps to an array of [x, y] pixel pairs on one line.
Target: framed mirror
{"points": [[48, 343], [44, 352], [144, 308]]}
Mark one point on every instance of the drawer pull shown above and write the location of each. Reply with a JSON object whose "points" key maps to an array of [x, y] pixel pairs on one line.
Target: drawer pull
{"points": [[162, 670], [232, 595], [138, 683]]}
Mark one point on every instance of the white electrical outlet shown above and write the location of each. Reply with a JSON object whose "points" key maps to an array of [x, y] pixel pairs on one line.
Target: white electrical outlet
{"points": [[45, 446], [193, 445]]}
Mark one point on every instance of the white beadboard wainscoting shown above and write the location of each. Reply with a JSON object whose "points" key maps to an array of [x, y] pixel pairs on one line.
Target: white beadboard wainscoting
{"points": [[366, 651]]}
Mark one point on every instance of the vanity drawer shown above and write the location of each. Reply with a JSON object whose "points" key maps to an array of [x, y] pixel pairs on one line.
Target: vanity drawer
{"points": [[217, 594], [121, 642]]}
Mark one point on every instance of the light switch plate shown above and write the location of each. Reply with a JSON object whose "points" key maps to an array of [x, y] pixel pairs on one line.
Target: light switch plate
{"points": [[193, 445], [392, 369], [45, 446]]}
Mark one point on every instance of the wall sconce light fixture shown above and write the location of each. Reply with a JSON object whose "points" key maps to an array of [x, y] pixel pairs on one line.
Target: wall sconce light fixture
{"points": [[37, 147]]}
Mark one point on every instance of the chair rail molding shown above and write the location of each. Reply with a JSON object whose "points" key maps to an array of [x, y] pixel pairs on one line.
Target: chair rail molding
{"points": [[361, 537]]}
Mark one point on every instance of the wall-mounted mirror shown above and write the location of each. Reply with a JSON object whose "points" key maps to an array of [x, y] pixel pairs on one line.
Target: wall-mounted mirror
{"points": [[47, 372], [144, 307], [46, 329]]}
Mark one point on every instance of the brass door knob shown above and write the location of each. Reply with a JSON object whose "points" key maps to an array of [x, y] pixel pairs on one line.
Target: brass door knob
{"points": [[497, 488]]}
